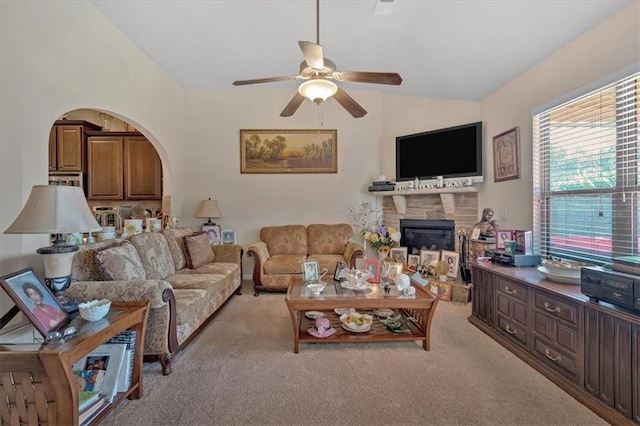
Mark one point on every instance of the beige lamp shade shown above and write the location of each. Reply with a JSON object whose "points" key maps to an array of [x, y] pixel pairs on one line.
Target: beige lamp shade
{"points": [[209, 209], [53, 209], [317, 90]]}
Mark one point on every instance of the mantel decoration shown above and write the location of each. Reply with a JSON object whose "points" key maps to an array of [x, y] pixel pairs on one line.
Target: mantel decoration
{"points": [[382, 238], [506, 155], [289, 151]]}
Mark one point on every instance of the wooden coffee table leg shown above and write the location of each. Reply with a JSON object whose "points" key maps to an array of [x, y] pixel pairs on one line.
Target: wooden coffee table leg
{"points": [[295, 321]]}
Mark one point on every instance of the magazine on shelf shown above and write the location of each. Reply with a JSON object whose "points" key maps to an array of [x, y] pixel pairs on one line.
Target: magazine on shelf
{"points": [[124, 380], [91, 412], [107, 360], [89, 380], [87, 398], [127, 337]]}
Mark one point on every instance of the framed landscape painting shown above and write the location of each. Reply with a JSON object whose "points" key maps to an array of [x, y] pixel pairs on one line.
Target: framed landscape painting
{"points": [[289, 151]]}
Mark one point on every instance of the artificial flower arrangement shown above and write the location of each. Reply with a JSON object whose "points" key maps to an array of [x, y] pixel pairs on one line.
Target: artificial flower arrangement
{"points": [[382, 236]]}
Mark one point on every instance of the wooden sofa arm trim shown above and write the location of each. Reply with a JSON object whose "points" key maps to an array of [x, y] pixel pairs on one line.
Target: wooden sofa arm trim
{"points": [[257, 267], [172, 337]]}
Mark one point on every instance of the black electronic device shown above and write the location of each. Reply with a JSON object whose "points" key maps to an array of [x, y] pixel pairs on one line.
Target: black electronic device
{"points": [[518, 259], [450, 152], [374, 188], [618, 288]]}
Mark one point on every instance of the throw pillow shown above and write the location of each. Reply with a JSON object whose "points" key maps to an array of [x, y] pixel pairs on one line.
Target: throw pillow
{"points": [[120, 263], [198, 250]]}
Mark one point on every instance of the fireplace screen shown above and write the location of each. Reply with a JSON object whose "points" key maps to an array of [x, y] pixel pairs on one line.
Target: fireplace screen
{"points": [[427, 234]]}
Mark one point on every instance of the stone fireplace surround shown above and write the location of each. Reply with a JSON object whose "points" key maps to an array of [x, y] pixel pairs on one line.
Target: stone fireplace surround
{"points": [[457, 204]]}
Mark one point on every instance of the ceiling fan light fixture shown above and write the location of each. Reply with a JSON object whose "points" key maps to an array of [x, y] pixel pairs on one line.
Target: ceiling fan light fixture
{"points": [[318, 90]]}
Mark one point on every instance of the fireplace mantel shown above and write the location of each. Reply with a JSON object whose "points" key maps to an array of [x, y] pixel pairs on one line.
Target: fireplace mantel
{"points": [[446, 196]]}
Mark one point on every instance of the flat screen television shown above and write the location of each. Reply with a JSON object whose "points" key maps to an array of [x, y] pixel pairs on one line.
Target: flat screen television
{"points": [[451, 152]]}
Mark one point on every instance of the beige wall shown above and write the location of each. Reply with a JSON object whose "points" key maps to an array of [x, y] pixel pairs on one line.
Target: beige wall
{"points": [[47, 69]]}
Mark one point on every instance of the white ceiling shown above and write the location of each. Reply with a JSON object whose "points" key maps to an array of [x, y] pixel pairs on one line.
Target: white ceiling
{"points": [[451, 49]]}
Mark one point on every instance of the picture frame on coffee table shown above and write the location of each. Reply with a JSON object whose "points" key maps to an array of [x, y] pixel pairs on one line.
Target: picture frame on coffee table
{"points": [[310, 271], [391, 270], [373, 267], [399, 255], [413, 261], [429, 256], [452, 259]]}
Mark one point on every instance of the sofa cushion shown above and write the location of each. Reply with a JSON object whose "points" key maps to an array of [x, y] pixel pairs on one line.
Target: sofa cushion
{"points": [[120, 263], [155, 255], [286, 239], [284, 264], [328, 239], [175, 241], [198, 250]]}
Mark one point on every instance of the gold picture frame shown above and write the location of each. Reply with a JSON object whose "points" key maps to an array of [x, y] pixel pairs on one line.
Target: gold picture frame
{"points": [[288, 151], [506, 155]]}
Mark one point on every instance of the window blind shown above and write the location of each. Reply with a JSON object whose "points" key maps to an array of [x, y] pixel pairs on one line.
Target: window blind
{"points": [[585, 171]]}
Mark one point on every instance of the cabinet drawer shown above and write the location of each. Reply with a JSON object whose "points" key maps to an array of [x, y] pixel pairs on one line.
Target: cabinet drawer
{"points": [[565, 363], [557, 308], [514, 290], [512, 329], [564, 336]]}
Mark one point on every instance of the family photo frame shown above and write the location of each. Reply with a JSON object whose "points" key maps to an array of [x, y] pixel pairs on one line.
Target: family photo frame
{"points": [[228, 236], [399, 255], [429, 256], [35, 300], [310, 272], [214, 232], [373, 267], [506, 155], [452, 259]]}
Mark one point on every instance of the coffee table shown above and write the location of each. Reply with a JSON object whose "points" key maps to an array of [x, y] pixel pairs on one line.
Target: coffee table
{"points": [[417, 311]]}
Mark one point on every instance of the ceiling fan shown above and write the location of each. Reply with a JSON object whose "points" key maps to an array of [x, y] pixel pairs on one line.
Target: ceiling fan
{"points": [[319, 72]]}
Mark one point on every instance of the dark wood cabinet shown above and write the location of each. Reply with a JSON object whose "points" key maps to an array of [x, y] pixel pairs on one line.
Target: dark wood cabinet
{"points": [[591, 350], [67, 145], [122, 166]]}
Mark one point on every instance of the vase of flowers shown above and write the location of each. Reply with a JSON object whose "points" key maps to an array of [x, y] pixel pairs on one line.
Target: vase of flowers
{"points": [[382, 238]]}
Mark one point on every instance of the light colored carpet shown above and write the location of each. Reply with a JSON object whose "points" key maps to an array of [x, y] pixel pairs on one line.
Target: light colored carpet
{"points": [[241, 370]]}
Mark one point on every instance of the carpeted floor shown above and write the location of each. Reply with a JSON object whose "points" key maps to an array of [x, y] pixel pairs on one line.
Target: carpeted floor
{"points": [[241, 370]]}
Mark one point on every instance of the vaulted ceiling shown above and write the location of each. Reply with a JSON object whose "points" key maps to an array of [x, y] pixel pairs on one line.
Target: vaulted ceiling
{"points": [[454, 49]]}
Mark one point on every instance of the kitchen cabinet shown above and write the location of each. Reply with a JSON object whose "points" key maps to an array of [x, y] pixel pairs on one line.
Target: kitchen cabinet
{"points": [[122, 166], [67, 145], [590, 350]]}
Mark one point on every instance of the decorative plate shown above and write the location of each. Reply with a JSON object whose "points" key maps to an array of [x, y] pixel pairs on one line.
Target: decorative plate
{"points": [[342, 311], [314, 314], [383, 312]]}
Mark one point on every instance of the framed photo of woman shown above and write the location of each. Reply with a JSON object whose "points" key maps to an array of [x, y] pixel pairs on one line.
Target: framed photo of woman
{"points": [[503, 235], [310, 271], [36, 302], [452, 259], [373, 267]]}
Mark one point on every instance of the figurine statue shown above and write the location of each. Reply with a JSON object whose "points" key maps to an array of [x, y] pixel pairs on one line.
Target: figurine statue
{"points": [[488, 226]]}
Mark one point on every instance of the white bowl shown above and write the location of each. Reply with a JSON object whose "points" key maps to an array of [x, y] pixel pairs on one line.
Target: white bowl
{"points": [[95, 309], [316, 288]]}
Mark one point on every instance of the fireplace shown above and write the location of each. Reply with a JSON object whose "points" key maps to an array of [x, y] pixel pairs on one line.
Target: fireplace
{"points": [[427, 234]]}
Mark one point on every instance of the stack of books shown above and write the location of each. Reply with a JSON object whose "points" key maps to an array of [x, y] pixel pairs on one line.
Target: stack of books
{"points": [[382, 185]]}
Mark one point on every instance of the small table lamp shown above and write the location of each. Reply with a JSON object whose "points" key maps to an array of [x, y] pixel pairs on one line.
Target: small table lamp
{"points": [[53, 209], [209, 209]]}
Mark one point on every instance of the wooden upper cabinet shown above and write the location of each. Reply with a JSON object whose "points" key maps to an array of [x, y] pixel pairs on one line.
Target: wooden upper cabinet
{"points": [[142, 170], [104, 168], [67, 145]]}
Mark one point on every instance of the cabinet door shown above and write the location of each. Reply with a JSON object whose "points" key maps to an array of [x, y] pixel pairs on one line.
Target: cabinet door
{"points": [[636, 372], [69, 148], [483, 302], [104, 163], [142, 170], [52, 150]]}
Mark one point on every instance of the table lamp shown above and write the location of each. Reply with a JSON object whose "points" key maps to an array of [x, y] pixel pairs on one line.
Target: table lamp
{"points": [[209, 209], [53, 209]]}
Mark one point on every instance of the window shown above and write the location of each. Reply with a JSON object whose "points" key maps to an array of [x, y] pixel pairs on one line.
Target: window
{"points": [[585, 164]]}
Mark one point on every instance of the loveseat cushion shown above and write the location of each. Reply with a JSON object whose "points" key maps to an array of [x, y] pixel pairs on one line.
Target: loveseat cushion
{"points": [[284, 264], [120, 262], [286, 239], [198, 250], [175, 241], [328, 239], [155, 255]]}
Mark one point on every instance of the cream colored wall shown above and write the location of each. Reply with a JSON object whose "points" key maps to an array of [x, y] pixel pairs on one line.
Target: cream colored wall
{"points": [[609, 47], [57, 57]]}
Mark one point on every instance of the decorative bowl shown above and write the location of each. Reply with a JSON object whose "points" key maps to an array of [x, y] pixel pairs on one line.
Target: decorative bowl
{"points": [[95, 309], [355, 321], [316, 288]]}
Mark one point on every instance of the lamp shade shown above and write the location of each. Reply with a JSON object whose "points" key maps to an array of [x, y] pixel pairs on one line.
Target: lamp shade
{"points": [[209, 208], [53, 209], [318, 89]]}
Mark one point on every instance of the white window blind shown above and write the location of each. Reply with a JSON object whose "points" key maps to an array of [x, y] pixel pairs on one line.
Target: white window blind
{"points": [[585, 167]]}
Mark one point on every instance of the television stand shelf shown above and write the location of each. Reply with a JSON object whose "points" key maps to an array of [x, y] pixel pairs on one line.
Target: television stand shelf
{"points": [[446, 195]]}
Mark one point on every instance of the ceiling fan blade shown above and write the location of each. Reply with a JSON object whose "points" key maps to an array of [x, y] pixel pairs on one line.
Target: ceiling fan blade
{"points": [[265, 80], [293, 105], [312, 54], [369, 77], [349, 103]]}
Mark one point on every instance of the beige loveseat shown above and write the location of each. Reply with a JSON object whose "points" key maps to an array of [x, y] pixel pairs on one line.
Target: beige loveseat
{"points": [[185, 279], [281, 251]]}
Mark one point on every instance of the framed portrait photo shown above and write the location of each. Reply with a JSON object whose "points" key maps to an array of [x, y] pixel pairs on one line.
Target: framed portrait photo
{"points": [[399, 255], [429, 256], [413, 260], [373, 267], [228, 236], [506, 155], [503, 235], [34, 299], [391, 270], [452, 259], [214, 232], [310, 271]]}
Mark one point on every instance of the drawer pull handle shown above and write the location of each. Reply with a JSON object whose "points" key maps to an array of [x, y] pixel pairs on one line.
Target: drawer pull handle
{"points": [[548, 307], [511, 330], [552, 358], [509, 291], [618, 295]]}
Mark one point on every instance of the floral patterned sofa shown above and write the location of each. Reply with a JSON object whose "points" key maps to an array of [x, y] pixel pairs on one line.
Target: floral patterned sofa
{"points": [[281, 251], [184, 278]]}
